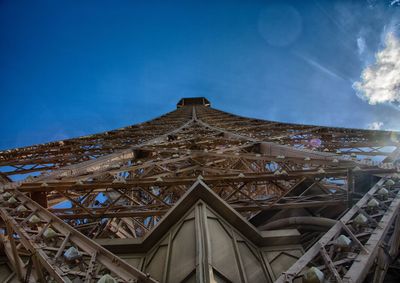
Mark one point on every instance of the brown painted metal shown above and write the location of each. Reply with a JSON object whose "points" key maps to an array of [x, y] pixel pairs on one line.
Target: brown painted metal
{"points": [[121, 183]]}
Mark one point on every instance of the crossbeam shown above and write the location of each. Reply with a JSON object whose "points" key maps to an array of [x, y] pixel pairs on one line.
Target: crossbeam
{"points": [[366, 244], [31, 225]]}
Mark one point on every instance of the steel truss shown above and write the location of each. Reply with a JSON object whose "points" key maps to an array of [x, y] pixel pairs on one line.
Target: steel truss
{"points": [[352, 263], [119, 184]]}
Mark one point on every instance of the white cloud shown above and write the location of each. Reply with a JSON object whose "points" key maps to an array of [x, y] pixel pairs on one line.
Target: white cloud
{"points": [[361, 45], [375, 126], [380, 82], [395, 2]]}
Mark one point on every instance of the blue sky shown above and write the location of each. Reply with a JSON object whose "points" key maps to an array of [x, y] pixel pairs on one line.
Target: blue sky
{"points": [[71, 68]]}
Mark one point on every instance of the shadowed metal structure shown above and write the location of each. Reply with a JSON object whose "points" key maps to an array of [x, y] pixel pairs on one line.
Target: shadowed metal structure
{"points": [[201, 195]]}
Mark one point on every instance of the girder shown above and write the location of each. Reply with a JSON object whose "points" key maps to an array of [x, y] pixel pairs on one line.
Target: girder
{"points": [[33, 232], [352, 262], [122, 183]]}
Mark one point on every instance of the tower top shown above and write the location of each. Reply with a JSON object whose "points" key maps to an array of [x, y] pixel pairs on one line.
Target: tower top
{"points": [[193, 101]]}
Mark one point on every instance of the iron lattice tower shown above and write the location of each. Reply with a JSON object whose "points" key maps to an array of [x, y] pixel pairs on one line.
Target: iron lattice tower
{"points": [[201, 195]]}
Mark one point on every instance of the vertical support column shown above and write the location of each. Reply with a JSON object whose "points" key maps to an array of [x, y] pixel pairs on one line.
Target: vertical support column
{"points": [[167, 259], [18, 267], [381, 267], [204, 270], [38, 268], [242, 272]]}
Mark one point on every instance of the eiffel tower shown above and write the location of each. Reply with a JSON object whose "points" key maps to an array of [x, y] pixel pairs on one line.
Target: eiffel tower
{"points": [[201, 195]]}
